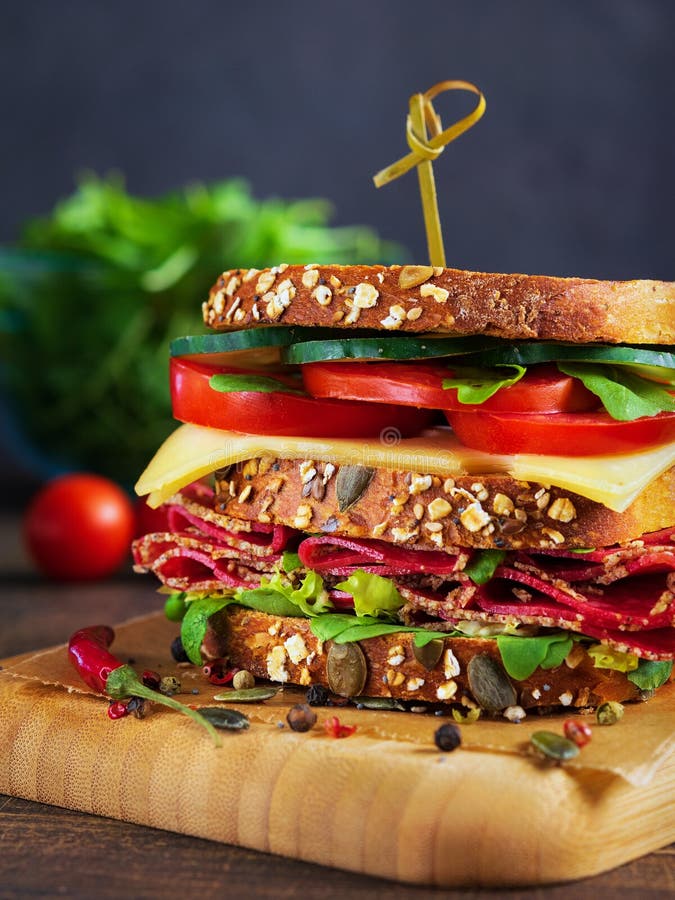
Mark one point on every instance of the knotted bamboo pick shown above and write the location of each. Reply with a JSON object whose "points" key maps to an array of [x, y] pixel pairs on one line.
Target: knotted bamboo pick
{"points": [[425, 149]]}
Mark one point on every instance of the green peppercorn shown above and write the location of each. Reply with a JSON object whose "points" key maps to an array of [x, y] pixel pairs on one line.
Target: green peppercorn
{"points": [[174, 607], [609, 713], [169, 685]]}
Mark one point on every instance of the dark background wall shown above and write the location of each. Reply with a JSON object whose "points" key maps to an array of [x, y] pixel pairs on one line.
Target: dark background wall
{"points": [[570, 171]]}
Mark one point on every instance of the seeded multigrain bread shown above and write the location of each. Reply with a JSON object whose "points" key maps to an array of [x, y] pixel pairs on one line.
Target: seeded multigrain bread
{"points": [[407, 508], [418, 299], [284, 649]]}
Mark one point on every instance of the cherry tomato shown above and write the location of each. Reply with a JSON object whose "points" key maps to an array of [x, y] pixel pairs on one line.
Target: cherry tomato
{"points": [[559, 434], [543, 388], [277, 412], [79, 527]]}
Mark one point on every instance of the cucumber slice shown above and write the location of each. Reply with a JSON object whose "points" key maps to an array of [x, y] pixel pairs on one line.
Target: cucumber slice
{"points": [[527, 354], [382, 347], [251, 347]]}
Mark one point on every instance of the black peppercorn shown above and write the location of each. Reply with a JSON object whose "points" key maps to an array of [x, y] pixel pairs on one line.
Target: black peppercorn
{"points": [[317, 695], [178, 651], [447, 737], [301, 717]]}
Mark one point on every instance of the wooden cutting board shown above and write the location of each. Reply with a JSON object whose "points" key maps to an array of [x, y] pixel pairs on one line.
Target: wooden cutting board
{"points": [[383, 802]]}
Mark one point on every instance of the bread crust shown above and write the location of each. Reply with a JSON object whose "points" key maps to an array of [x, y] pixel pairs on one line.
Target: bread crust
{"points": [[284, 649], [414, 509], [448, 301]]}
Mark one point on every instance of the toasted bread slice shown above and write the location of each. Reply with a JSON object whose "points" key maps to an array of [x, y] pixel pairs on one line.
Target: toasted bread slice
{"points": [[427, 511], [285, 649], [422, 299]]}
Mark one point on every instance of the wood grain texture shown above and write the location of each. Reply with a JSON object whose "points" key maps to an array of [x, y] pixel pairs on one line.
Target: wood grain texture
{"points": [[390, 809], [49, 850]]}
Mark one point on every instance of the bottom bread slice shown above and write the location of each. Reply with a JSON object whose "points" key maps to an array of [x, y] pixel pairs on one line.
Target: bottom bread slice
{"points": [[285, 650]]}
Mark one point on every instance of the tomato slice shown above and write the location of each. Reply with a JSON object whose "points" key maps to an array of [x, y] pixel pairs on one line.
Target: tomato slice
{"points": [[543, 388], [559, 434], [280, 413]]}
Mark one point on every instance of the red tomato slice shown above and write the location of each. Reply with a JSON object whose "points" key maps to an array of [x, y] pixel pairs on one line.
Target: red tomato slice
{"points": [[542, 389], [560, 434], [280, 413]]}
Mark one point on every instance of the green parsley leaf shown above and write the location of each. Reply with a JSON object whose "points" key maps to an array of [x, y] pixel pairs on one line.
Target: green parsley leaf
{"points": [[475, 385], [126, 273]]}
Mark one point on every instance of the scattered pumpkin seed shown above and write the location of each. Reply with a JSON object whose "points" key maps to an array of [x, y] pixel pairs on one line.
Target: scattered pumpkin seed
{"points": [[346, 669], [378, 703], [554, 746], [247, 695], [490, 684], [350, 484], [609, 713], [228, 719], [429, 654]]}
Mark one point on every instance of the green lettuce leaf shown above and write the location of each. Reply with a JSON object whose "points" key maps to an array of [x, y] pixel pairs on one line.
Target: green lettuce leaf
{"points": [[195, 621], [273, 597], [373, 595], [475, 385], [481, 567], [310, 599], [290, 561], [343, 628], [261, 384], [607, 658], [267, 600], [651, 674], [624, 394], [521, 656]]}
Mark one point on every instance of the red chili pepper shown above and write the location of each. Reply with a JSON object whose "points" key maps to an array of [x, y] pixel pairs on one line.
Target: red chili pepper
{"points": [[105, 674], [118, 709], [217, 673], [336, 729], [578, 732]]}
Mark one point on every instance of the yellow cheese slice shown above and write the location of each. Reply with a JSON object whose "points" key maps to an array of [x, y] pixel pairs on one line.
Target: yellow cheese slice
{"points": [[193, 451]]}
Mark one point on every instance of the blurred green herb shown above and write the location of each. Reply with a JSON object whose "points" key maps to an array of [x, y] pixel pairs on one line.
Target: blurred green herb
{"points": [[92, 294]]}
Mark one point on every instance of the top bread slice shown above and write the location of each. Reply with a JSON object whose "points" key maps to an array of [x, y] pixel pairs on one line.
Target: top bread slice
{"points": [[423, 299]]}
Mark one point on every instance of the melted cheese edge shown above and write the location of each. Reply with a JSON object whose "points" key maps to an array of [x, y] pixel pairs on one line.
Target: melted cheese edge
{"points": [[193, 451]]}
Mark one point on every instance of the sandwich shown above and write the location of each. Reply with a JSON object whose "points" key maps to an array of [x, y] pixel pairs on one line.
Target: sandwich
{"points": [[433, 487]]}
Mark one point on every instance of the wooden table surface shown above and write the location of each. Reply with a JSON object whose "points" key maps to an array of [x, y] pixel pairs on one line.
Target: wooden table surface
{"points": [[49, 852]]}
